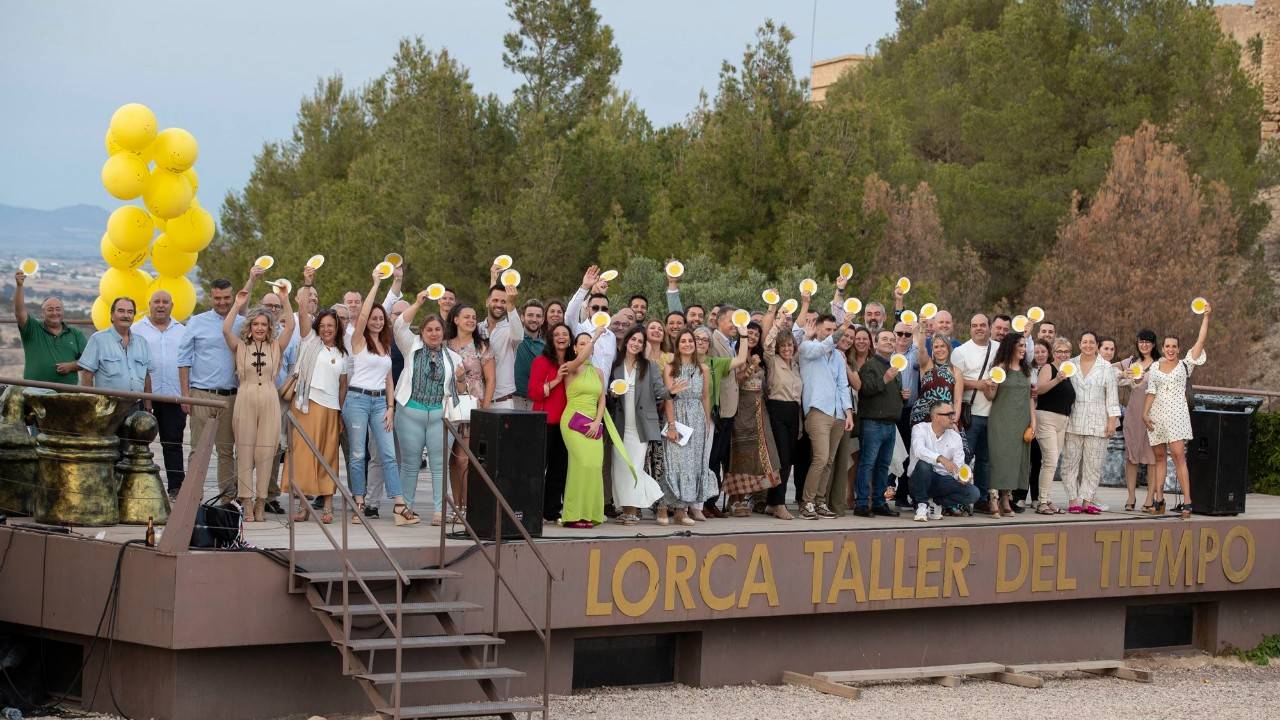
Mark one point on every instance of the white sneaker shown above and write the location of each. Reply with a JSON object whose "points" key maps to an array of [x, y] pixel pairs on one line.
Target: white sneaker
{"points": [[935, 512], [922, 512]]}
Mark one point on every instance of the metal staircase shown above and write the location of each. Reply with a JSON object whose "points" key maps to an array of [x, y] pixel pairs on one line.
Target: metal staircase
{"points": [[374, 653]]}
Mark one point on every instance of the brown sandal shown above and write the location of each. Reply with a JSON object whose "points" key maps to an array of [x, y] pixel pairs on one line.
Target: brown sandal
{"points": [[404, 515], [357, 515]]}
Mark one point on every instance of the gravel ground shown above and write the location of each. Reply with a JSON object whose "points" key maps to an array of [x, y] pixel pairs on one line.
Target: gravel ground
{"points": [[1192, 687]]}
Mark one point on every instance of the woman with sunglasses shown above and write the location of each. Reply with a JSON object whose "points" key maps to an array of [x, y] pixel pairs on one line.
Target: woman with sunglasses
{"points": [[1165, 412], [429, 374], [1137, 446]]}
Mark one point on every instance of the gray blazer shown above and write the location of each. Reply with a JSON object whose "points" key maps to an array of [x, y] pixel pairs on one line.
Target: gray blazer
{"points": [[649, 392]]}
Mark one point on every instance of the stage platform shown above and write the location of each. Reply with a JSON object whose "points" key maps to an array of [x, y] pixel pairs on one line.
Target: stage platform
{"points": [[199, 634]]}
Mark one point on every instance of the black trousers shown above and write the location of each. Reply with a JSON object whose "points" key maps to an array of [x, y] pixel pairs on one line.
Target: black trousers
{"points": [[719, 460], [1034, 480], [903, 490], [788, 426], [172, 422], [557, 468]]}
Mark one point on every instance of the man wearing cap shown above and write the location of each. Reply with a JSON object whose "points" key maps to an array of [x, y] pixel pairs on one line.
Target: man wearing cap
{"points": [[50, 347]]}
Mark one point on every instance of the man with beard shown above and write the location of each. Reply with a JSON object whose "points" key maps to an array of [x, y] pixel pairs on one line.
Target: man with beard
{"points": [[530, 347]]}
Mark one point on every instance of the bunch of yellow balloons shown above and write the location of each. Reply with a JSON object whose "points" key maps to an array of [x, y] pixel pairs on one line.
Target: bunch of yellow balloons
{"points": [[158, 167]]}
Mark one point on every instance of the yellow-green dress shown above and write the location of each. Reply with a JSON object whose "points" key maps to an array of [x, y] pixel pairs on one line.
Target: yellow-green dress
{"points": [[584, 483]]}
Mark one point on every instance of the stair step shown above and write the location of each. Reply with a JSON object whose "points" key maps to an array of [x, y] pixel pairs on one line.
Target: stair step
{"points": [[496, 707], [492, 673], [421, 574], [426, 641], [415, 608]]}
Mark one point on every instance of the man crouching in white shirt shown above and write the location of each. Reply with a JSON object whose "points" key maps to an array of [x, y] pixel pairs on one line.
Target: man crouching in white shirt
{"points": [[937, 455]]}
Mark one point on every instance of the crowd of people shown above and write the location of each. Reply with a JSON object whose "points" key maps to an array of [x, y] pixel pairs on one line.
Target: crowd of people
{"points": [[702, 412]]}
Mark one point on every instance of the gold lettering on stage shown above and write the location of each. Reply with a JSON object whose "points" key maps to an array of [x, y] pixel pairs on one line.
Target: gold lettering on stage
{"points": [[1209, 547], [900, 591], [1174, 561], [1233, 574], [819, 549], [650, 563], [848, 575], [677, 578], [958, 553], [1107, 538], [924, 566], [1041, 560], [713, 601], [1140, 556], [1123, 567], [760, 564], [877, 591], [594, 606], [1063, 582], [1004, 583]]}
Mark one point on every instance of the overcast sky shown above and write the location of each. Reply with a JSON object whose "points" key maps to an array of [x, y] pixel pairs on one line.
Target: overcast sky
{"points": [[232, 71]]}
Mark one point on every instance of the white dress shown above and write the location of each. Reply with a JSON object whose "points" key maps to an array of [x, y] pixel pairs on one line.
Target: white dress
{"points": [[642, 490], [1169, 413]]}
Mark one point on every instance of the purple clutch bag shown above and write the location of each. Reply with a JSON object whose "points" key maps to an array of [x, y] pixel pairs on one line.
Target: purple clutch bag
{"points": [[581, 423]]}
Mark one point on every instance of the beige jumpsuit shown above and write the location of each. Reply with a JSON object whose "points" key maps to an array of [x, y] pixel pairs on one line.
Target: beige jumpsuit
{"points": [[256, 418]]}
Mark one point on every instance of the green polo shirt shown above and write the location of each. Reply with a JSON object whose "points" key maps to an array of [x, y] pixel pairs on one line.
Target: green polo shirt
{"points": [[42, 350]]}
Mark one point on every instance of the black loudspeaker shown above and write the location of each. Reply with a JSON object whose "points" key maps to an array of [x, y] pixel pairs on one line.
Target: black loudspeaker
{"points": [[1218, 461], [511, 445]]}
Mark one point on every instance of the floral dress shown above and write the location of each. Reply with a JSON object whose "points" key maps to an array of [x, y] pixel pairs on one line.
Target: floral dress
{"points": [[937, 385], [688, 480], [473, 361]]}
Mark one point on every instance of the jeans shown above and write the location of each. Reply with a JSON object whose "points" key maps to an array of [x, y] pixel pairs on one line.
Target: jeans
{"points": [[417, 429], [947, 491], [975, 447], [784, 418], [876, 451], [362, 417], [172, 422]]}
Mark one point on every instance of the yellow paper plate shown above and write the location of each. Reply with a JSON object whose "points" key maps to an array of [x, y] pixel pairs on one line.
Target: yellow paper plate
{"points": [[928, 310], [966, 473], [619, 387], [1068, 369], [502, 261], [435, 291], [770, 297], [909, 317], [394, 259], [1019, 323], [315, 262], [675, 269], [384, 269], [510, 278], [904, 284], [997, 375], [846, 270], [898, 361], [853, 306], [1035, 314], [1135, 371], [741, 318], [265, 262], [1199, 305], [609, 275], [29, 266], [808, 285], [283, 284], [790, 305], [600, 319]]}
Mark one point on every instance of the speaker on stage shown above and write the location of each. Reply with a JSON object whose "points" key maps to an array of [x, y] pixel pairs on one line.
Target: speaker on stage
{"points": [[511, 445], [1218, 460]]}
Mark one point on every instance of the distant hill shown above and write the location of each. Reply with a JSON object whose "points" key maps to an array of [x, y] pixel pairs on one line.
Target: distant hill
{"points": [[66, 232]]}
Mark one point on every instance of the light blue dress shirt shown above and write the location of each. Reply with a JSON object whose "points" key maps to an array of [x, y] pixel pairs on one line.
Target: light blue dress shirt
{"points": [[114, 366], [288, 359], [911, 376], [826, 385], [163, 346], [205, 352]]}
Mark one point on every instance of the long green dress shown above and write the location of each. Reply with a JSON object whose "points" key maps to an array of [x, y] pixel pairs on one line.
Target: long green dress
{"points": [[1010, 417], [584, 483]]}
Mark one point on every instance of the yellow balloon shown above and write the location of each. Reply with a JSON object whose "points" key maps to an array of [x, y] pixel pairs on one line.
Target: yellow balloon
{"points": [[124, 174], [101, 313], [192, 231], [167, 259], [175, 149], [167, 194], [159, 222], [130, 228], [133, 126], [116, 283], [182, 291], [123, 259], [193, 178]]}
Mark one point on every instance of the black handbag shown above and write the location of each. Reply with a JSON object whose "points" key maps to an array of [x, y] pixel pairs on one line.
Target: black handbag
{"points": [[216, 526], [966, 409]]}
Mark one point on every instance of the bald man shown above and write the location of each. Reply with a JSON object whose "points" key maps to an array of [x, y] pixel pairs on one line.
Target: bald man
{"points": [[50, 347], [164, 335]]}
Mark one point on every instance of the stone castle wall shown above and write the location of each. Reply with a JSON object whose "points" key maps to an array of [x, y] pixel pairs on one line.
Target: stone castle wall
{"points": [[1257, 28]]}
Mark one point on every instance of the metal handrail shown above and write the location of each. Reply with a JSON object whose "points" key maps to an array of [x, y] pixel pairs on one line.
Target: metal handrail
{"points": [[110, 392], [500, 509]]}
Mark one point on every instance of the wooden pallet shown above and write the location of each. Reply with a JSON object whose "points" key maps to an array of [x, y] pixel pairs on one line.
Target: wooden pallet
{"points": [[838, 682]]}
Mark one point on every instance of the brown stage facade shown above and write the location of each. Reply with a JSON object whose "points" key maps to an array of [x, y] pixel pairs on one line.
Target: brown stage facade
{"points": [[217, 634]]}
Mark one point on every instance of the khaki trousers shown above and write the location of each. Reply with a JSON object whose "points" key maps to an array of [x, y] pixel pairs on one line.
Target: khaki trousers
{"points": [[224, 441], [824, 436]]}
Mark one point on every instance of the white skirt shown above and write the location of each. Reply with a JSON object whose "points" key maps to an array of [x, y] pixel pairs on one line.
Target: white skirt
{"points": [[640, 491]]}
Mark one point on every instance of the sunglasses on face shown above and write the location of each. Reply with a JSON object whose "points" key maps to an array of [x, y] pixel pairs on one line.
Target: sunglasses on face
{"points": [[599, 308], [903, 334]]}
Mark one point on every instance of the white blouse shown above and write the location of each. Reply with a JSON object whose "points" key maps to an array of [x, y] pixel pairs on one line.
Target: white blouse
{"points": [[326, 379]]}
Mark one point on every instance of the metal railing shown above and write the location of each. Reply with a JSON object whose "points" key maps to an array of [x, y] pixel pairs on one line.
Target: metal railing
{"points": [[349, 571], [501, 511]]}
